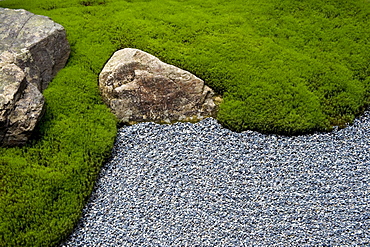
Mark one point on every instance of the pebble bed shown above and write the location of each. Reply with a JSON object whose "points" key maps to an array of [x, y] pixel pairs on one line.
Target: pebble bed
{"points": [[204, 185]]}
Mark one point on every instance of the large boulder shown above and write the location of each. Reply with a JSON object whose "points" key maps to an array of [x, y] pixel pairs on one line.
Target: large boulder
{"points": [[139, 87], [33, 49]]}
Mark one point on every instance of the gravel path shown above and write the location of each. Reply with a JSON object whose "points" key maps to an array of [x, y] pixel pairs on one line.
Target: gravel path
{"points": [[203, 185]]}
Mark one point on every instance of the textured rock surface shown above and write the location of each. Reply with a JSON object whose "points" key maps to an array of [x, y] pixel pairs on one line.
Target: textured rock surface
{"points": [[139, 87], [33, 49]]}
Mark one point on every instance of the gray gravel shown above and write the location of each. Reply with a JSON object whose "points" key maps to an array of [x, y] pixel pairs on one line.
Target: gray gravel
{"points": [[203, 185]]}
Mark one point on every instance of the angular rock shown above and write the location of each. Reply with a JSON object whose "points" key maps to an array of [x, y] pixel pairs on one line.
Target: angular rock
{"points": [[33, 49], [139, 87]]}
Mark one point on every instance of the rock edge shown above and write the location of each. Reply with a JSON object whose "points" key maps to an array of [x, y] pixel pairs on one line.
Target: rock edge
{"points": [[33, 49]]}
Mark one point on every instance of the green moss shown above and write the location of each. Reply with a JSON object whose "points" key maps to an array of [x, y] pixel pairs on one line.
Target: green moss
{"points": [[282, 66]]}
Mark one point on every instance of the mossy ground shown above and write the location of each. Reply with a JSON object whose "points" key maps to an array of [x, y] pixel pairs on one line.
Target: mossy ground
{"points": [[282, 66]]}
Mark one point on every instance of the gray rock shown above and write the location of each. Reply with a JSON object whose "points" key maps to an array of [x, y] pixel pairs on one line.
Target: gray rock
{"points": [[33, 49], [139, 87]]}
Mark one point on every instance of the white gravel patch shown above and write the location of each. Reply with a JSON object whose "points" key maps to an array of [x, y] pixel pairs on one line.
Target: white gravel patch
{"points": [[203, 185]]}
